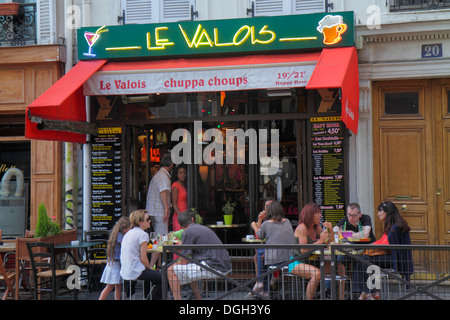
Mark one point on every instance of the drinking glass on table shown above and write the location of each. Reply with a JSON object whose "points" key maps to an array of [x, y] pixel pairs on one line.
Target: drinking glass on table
{"points": [[154, 237]]}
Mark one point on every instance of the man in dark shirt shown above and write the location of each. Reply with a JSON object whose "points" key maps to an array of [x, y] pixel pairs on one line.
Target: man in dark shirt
{"points": [[360, 224], [185, 271]]}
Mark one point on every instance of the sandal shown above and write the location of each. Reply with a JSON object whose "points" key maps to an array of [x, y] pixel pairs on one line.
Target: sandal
{"points": [[376, 296], [363, 296]]}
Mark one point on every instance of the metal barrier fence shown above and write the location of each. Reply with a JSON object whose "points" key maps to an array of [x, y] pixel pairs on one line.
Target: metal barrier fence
{"points": [[319, 272]]}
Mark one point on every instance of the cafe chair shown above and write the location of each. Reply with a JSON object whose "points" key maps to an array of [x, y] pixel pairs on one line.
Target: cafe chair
{"points": [[342, 280], [7, 276], [96, 256], [45, 273], [293, 287]]}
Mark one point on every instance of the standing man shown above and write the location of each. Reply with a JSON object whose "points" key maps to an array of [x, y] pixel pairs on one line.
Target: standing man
{"points": [[158, 199], [360, 224]]}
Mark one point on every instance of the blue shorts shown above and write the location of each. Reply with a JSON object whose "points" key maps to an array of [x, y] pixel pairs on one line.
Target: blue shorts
{"points": [[292, 265]]}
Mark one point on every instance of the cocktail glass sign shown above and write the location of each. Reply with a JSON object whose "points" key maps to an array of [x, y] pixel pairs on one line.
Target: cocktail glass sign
{"points": [[91, 39], [279, 33]]}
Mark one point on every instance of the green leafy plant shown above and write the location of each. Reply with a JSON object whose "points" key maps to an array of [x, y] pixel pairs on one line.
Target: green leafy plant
{"points": [[228, 208], [45, 226], [197, 218]]}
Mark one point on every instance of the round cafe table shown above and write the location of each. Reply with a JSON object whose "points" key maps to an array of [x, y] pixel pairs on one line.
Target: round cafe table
{"points": [[253, 240], [225, 228]]}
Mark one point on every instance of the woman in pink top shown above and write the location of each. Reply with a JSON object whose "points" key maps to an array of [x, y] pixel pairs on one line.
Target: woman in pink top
{"points": [[179, 195]]}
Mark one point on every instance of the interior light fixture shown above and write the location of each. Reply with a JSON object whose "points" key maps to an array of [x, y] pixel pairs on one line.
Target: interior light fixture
{"points": [[279, 92], [148, 98]]}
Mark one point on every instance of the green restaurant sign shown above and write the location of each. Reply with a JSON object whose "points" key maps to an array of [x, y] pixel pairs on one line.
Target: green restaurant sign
{"points": [[280, 33]]}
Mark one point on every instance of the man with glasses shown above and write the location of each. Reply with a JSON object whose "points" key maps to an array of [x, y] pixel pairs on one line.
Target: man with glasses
{"points": [[360, 224]]}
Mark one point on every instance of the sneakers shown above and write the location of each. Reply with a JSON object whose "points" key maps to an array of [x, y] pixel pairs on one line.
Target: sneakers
{"points": [[366, 296], [258, 287]]}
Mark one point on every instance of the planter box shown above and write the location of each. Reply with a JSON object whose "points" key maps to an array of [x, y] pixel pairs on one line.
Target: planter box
{"points": [[9, 9], [63, 237], [22, 251]]}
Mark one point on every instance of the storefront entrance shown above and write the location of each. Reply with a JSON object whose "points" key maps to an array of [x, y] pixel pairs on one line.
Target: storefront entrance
{"points": [[218, 177], [412, 154]]}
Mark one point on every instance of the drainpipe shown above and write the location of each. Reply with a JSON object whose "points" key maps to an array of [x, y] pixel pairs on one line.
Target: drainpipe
{"points": [[70, 220], [87, 208]]}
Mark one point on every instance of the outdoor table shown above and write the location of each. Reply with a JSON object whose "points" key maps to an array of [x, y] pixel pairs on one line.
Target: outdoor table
{"points": [[78, 245], [225, 228], [253, 240], [69, 246], [8, 247]]}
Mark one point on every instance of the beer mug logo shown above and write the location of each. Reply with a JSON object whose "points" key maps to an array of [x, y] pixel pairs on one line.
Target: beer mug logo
{"points": [[332, 27]]}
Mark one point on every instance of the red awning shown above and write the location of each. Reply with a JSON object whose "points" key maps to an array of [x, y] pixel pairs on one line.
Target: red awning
{"points": [[63, 101], [63, 104], [338, 68]]}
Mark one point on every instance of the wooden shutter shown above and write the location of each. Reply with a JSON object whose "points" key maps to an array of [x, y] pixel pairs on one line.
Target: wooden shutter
{"points": [[46, 18], [308, 6], [140, 11], [176, 10], [272, 7], [285, 7]]}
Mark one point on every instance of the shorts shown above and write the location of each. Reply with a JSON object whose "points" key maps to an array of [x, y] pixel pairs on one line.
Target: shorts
{"points": [[160, 226], [313, 262], [187, 273]]}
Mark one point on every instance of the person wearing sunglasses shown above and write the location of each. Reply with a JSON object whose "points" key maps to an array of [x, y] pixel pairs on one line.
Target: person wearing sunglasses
{"points": [[133, 257]]}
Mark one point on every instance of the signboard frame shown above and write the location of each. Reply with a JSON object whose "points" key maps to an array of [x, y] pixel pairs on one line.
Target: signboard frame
{"points": [[213, 37], [331, 212]]}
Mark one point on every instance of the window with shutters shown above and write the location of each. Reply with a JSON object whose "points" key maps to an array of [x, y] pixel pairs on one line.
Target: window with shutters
{"points": [[153, 11], [46, 21], [285, 7]]}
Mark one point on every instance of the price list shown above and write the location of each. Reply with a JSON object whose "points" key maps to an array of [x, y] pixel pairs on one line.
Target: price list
{"points": [[327, 140], [106, 178]]}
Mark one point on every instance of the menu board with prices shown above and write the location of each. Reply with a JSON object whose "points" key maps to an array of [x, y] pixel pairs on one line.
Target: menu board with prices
{"points": [[328, 167], [106, 178]]}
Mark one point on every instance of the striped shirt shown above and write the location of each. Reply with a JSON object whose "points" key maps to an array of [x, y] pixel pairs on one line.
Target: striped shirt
{"points": [[159, 183], [277, 233]]}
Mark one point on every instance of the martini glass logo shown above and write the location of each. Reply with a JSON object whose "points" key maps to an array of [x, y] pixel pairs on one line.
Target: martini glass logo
{"points": [[91, 39], [332, 27]]}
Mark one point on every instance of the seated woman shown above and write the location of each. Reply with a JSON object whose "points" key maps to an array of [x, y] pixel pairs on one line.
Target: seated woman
{"points": [[309, 231], [133, 256], [395, 231], [276, 229]]}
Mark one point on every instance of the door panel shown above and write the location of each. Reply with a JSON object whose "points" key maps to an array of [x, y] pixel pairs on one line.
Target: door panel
{"points": [[404, 157], [441, 93], [404, 153]]}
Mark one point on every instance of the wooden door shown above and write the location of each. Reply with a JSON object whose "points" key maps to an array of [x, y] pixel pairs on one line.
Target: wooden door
{"points": [[405, 156], [441, 95]]}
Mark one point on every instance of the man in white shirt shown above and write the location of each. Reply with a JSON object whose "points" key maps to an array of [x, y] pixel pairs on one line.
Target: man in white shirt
{"points": [[158, 199]]}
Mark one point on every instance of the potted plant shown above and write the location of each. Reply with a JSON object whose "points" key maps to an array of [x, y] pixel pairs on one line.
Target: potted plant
{"points": [[197, 218], [45, 226], [228, 209], [47, 230]]}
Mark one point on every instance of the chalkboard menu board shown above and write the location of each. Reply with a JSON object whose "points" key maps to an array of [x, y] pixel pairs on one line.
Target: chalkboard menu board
{"points": [[106, 178], [328, 167]]}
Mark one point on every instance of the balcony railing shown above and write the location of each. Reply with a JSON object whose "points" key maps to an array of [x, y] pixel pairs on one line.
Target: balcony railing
{"points": [[419, 5], [20, 29]]}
